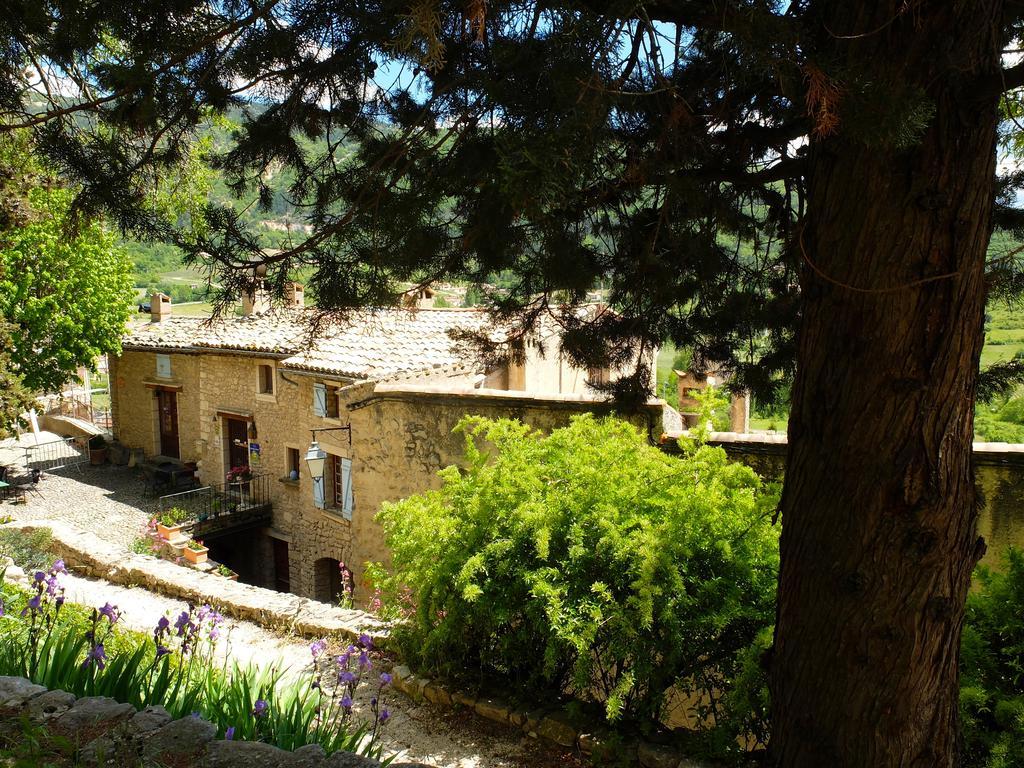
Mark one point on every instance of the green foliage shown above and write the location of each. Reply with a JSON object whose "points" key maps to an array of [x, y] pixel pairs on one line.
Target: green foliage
{"points": [[28, 549], [87, 653], [586, 560], [66, 287], [14, 398], [992, 672], [174, 516]]}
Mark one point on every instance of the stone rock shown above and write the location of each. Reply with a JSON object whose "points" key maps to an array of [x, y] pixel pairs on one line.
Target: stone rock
{"points": [[350, 760], [148, 720], [15, 692], [14, 573], [492, 709], [187, 736], [517, 718], [656, 755], [557, 728], [309, 756], [244, 754], [463, 698], [435, 694], [91, 717], [533, 720], [400, 672], [49, 705]]}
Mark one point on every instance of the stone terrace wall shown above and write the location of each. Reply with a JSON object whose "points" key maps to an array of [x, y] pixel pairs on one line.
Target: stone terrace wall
{"points": [[91, 555], [113, 734]]}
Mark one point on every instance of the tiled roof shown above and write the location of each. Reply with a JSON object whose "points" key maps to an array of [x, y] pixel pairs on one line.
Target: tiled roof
{"points": [[279, 332], [372, 344]]}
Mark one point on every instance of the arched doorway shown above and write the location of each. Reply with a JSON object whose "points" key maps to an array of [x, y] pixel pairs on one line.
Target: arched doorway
{"points": [[328, 582]]}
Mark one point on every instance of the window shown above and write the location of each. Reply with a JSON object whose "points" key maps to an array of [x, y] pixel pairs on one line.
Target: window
{"points": [[291, 463], [597, 376], [265, 385], [325, 401], [163, 366], [338, 486], [335, 490]]}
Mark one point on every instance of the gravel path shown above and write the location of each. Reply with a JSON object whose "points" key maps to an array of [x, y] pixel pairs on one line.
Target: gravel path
{"points": [[108, 501], [111, 503]]}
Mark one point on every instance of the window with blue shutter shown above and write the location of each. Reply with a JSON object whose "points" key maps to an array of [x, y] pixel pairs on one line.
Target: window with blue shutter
{"points": [[346, 480], [319, 400], [318, 493]]}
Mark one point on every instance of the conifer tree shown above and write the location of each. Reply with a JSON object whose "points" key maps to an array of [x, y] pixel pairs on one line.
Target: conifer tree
{"points": [[772, 184]]}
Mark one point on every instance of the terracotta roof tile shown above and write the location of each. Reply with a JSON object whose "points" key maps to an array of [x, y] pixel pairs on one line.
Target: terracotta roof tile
{"points": [[372, 344]]}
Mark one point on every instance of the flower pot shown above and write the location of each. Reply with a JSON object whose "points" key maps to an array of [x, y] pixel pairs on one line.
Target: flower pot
{"points": [[196, 556], [97, 456], [169, 532]]}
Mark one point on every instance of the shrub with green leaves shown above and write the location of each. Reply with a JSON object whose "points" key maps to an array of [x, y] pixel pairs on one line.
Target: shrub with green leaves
{"points": [[992, 667], [586, 561]]}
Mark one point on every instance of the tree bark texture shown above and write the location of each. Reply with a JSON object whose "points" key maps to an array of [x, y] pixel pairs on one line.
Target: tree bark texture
{"points": [[879, 509]]}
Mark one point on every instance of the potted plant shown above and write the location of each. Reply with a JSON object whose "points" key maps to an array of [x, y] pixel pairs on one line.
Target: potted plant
{"points": [[169, 524], [239, 474], [195, 552], [223, 570], [97, 450]]}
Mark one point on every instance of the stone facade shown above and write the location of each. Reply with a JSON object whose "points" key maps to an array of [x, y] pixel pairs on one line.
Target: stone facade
{"points": [[397, 437]]}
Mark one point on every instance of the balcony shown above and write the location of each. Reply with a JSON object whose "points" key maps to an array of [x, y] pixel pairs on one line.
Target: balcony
{"points": [[225, 508]]}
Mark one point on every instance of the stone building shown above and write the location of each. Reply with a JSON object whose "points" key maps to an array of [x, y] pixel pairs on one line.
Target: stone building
{"points": [[379, 392]]}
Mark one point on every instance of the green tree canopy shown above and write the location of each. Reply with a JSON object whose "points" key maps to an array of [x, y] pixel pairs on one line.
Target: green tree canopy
{"points": [[65, 287]]}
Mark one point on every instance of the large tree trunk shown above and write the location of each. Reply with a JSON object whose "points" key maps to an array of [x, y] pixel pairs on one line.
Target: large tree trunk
{"points": [[878, 512]]}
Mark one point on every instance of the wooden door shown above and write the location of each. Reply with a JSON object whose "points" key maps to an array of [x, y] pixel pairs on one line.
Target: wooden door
{"points": [[167, 408], [282, 575], [238, 443]]}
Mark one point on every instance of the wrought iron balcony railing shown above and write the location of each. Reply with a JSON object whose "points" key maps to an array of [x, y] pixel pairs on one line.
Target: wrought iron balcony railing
{"points": [[226, 507]]}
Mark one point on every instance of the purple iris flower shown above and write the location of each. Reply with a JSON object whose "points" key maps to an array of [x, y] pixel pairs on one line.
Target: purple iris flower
{"points": [[364, 660], [366, 641], [261, 708], [346, 677], [346, 701], [33, 605], [39, 576], [98, 656], [229, 734], [317, 647], [58, 567], [162, 651], [384, 715], [385, 678], [110, 611]]}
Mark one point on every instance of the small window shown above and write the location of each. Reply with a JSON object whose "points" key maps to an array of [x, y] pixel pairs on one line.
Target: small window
{"points": [[597, 376], [338, 481], [332, 403], [266, 380], [163, 366], [291, 462]]}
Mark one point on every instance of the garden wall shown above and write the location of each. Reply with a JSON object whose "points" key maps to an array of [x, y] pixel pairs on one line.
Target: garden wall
{"points": [[999, 471], [101, 731]]}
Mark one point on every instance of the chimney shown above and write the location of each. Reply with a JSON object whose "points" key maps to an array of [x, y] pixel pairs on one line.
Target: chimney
{"points": [[255, 301], [294, 295], [159, 307]]}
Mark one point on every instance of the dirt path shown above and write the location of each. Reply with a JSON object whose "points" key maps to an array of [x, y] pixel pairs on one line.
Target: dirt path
{"points": [[415, 732]]}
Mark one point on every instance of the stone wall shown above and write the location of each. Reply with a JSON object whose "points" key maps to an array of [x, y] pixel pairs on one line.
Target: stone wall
{"points": [[110, 733]]}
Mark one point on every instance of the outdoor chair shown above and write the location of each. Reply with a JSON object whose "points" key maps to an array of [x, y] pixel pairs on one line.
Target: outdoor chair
{"points": [[27, 483]]}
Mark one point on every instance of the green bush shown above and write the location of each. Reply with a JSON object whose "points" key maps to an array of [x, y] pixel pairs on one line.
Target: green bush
{"points": [[28, 549], [586, 561], [992, 667]]}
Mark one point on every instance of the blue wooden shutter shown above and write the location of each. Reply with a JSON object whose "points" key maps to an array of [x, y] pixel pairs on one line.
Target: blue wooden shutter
{"points": [[346, 484], [318, 493], [319, 400]]}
